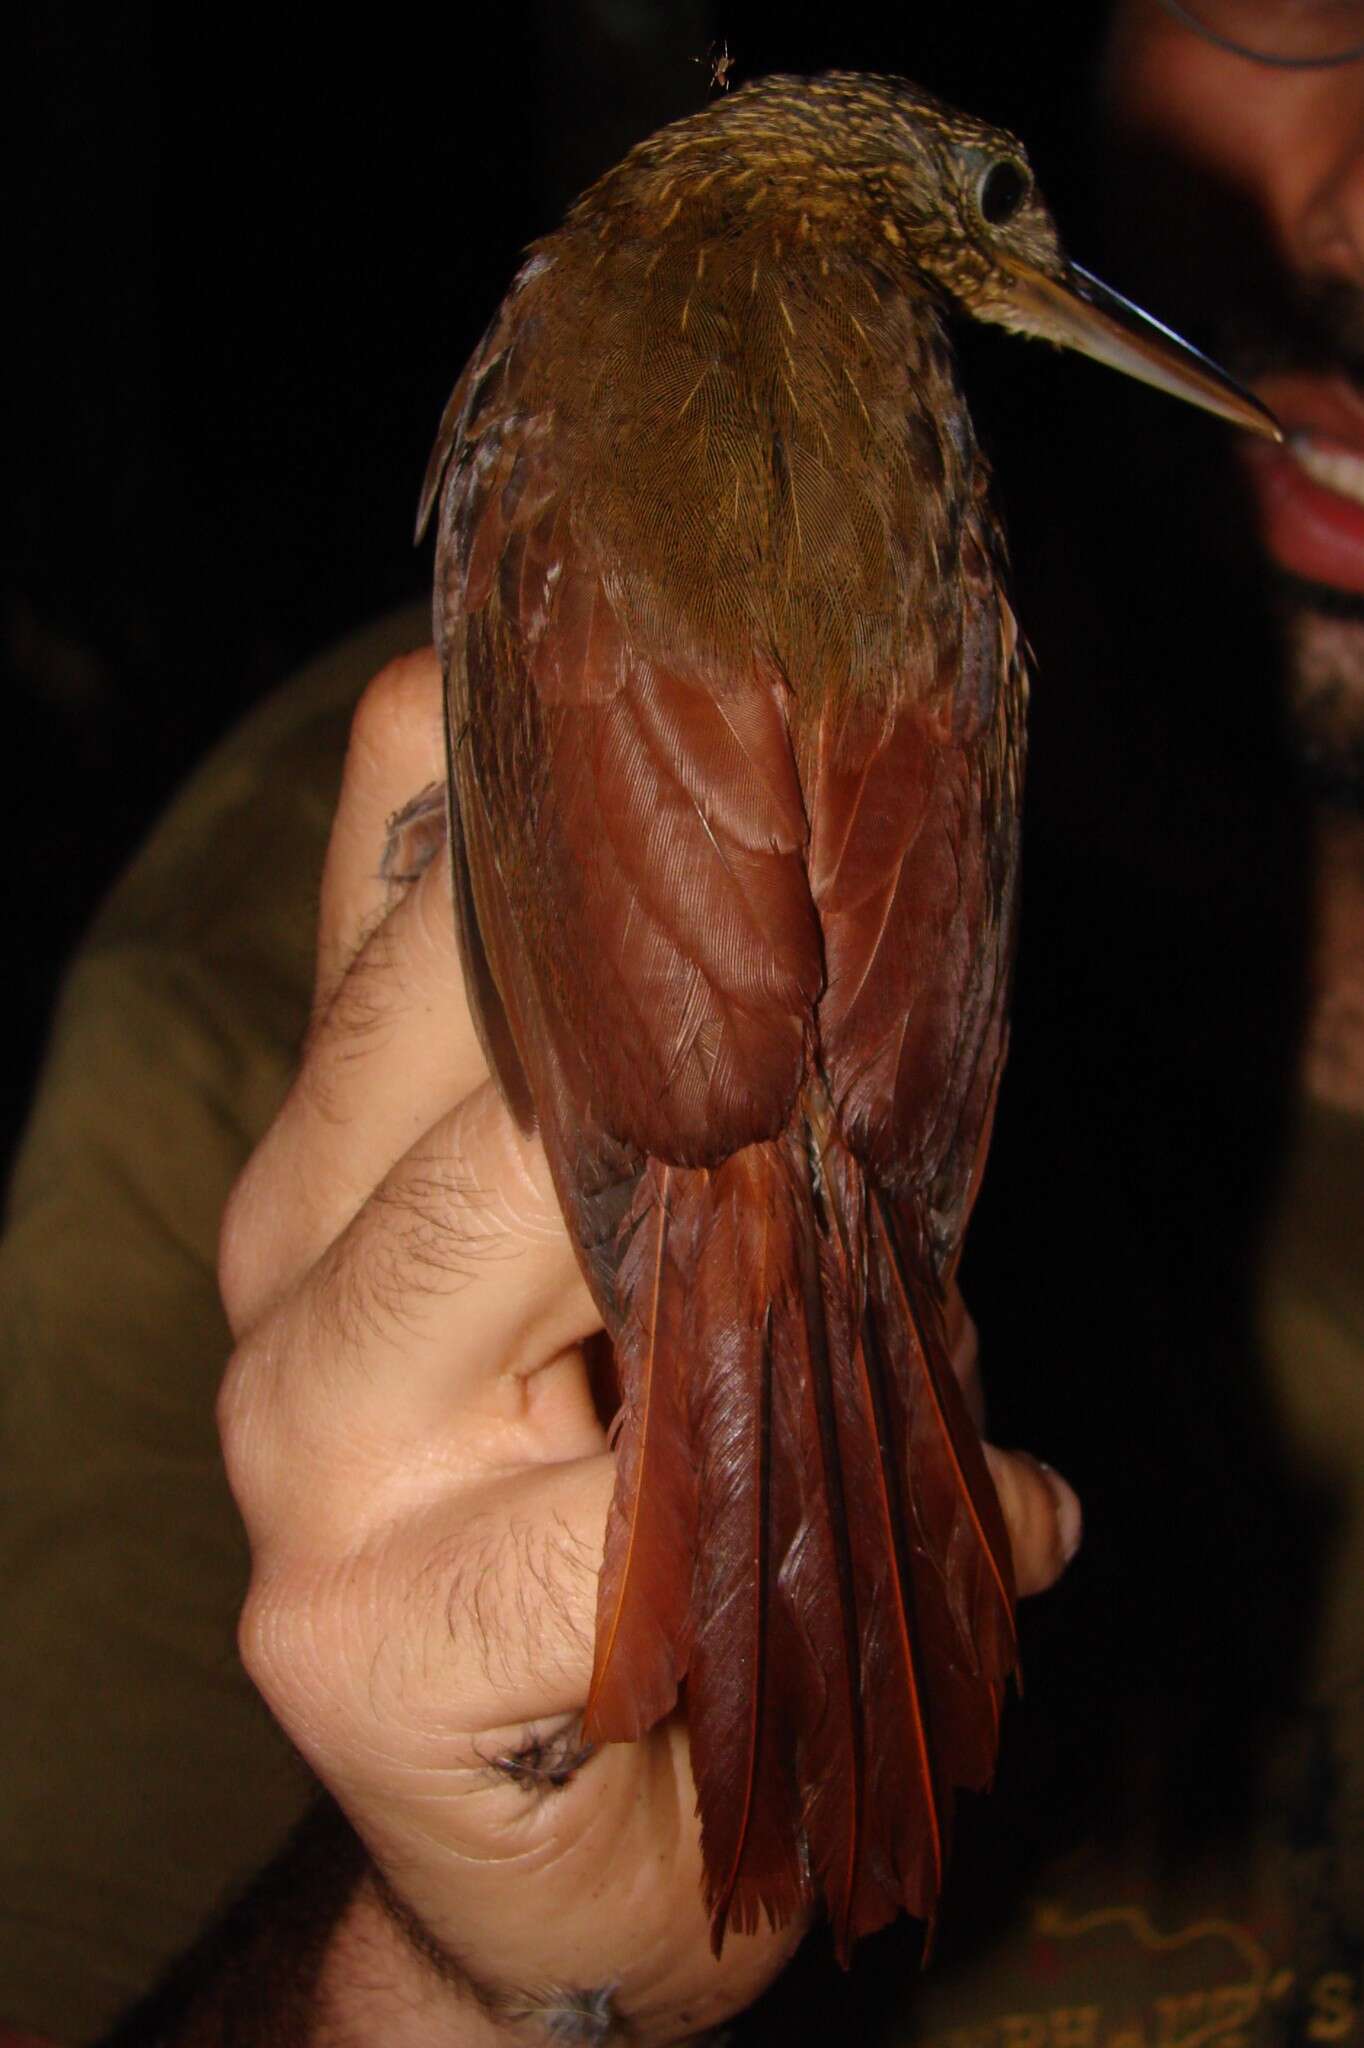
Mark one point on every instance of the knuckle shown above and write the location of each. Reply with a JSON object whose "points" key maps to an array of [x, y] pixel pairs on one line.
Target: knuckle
{"points": [[280, 1646], [240, 1249], [243, 1430], [258, 1636], [307, 1641]]}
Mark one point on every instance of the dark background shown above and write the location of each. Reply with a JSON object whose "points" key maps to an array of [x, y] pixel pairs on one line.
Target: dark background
{"points": [[247, 259]]}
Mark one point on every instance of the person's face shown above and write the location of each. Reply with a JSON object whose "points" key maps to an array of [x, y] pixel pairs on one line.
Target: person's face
{"points": [[1257, 198], [1290, 144]]}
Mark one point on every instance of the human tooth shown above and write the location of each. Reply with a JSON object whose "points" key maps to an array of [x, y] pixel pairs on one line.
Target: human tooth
{"points": [[1331, 466]]}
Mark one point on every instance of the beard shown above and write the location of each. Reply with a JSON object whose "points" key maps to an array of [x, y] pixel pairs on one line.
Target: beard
{"points": [[1324, 643], [1318, 330], [1316, 327]]}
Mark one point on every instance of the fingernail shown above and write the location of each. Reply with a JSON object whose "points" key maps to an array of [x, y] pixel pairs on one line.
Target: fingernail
{"points": [[1070, 1519]]}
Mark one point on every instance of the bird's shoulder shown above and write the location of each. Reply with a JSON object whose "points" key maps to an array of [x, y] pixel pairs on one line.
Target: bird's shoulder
{"points": [[755, 441]]}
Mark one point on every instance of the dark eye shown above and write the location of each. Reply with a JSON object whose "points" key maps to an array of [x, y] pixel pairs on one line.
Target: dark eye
{"points": [[1001, 191]]}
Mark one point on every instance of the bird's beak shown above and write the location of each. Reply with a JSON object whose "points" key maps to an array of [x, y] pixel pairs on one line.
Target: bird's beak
{"points": [[1083, 314]]}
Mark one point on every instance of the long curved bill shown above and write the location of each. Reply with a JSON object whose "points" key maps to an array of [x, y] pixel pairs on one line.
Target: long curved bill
{"points": [[1083, 313]]}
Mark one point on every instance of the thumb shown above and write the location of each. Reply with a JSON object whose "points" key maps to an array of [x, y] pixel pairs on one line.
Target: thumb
{"points": [[1042, 1514]]}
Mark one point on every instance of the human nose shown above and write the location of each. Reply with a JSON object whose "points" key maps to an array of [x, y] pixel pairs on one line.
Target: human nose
{"points": [[1331, 228]]}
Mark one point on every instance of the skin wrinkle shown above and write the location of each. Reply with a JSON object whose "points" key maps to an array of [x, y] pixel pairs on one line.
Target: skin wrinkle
{"points": [[528, 1838], [295, 1433]]}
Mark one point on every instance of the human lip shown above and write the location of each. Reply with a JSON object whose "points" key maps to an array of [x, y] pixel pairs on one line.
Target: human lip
{"points": [[1310, 491]]}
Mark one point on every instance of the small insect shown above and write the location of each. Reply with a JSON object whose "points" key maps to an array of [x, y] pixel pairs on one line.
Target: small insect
{"points": [[721, 64]]}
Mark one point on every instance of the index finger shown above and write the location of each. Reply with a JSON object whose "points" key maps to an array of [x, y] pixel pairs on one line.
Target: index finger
{"points": [[392, 1046], [396, 752]]}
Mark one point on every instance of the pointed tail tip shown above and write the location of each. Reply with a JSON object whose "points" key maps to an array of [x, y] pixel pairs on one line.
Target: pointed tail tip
{"points": [[719, 1927], [743, 1905]]}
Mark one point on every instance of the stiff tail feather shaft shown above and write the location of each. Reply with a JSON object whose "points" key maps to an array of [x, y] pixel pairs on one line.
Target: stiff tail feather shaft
{"points": [[804, 1537]]}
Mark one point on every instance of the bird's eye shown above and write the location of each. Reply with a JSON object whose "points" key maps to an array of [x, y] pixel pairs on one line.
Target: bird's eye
{"points": [[1001, 191]]}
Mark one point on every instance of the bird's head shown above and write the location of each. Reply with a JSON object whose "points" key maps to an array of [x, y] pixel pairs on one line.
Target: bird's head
{"points": [[948, 201]]}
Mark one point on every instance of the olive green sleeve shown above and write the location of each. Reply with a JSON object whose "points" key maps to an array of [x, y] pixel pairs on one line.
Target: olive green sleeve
{"points": [[141, 1778]]}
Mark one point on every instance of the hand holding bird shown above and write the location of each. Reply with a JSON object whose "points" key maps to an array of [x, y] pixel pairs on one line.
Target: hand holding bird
{"points": [[425, 1483]]}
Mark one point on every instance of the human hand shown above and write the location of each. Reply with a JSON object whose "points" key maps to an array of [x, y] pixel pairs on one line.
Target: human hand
{"points": [[411, 1435]]}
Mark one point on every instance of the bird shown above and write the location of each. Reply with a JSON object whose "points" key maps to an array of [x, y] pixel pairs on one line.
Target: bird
{"points": [[735, 714]]}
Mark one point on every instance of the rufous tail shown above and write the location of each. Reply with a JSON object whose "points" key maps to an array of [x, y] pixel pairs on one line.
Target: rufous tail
{"points": [[804, 1537]]}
